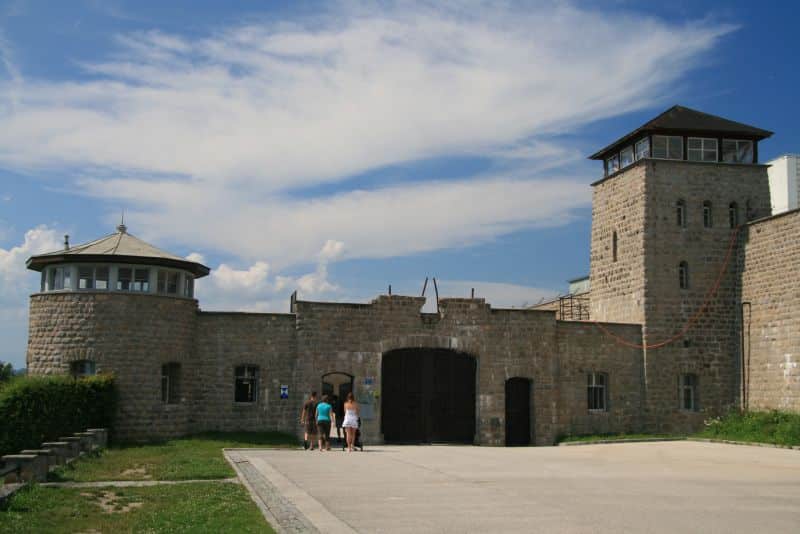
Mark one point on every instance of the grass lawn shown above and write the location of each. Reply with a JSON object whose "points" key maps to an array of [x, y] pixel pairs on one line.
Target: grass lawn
{"points": [[614, 437], [195, 457], [780, 428], [202, 507]]}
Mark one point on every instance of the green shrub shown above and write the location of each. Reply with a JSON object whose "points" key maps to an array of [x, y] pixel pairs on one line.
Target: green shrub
{"points": [[781, 428], [34, 409]]}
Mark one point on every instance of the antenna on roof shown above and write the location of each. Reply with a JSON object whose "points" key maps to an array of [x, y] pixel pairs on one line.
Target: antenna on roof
{"points": [[122, 228]]}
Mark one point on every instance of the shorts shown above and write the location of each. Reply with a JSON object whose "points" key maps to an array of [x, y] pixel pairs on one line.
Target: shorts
{"points": [[311, 427], [324, 429]]}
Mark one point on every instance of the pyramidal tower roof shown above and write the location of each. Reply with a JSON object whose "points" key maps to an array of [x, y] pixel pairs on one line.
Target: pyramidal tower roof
{"points": [[119, 247]]}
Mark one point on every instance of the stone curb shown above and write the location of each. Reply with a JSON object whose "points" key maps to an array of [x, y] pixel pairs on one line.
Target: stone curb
{"points": [[137, 483], [749, 443], [609, 441], [234, 460]]}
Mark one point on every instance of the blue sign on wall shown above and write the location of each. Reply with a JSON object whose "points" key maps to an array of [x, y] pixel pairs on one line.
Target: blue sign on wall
{"points": [[284, 391]]}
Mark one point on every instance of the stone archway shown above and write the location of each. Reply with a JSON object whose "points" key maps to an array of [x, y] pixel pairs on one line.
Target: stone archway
{"points": [[428, 395]]}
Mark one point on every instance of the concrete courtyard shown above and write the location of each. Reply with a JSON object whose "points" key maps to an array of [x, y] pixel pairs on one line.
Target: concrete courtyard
{"points": [[636, 487]]}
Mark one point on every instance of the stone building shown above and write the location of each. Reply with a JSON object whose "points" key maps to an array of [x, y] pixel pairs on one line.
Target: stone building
{"points": [[693, 308]]}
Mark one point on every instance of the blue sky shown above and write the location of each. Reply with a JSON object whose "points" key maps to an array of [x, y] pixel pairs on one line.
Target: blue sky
{"points": [[337, 148]]}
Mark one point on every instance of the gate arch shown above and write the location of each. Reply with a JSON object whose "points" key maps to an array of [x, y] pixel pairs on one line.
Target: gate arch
{"points": [[428, 395]]}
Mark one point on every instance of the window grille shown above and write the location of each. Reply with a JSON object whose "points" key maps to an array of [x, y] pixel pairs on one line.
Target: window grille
{"points": [[688, 392], [170, 383], [597, 392], [246, 384]]}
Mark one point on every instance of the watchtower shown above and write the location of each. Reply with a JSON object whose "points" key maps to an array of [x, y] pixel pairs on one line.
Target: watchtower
{"points": [[663, 253]]}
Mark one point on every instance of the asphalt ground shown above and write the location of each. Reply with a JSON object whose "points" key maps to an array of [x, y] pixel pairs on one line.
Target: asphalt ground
{"points": [[634, 487]]}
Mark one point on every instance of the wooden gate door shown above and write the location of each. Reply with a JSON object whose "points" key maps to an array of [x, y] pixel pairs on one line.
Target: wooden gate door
{"points": [[518, 412]]}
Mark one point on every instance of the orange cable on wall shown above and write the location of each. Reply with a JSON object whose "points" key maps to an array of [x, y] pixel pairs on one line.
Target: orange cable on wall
{"points": [[693, 319]]}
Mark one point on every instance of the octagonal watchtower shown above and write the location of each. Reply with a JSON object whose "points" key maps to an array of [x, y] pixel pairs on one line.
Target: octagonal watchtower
{"points": [[119, 305]]}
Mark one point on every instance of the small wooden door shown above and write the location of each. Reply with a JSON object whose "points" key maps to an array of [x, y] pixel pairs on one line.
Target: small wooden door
{"points": [[518, 412]]}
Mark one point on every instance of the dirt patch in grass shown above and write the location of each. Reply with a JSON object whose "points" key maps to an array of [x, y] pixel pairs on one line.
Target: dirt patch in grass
{"points": [[196, 457], [181, 508]]}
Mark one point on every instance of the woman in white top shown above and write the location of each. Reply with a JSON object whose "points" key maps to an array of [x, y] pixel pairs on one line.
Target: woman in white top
{"points": [[350, 423]]}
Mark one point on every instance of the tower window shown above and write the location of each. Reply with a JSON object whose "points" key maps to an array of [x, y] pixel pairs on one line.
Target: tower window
{"points": [[81, 368], [614, 246], [597, 390], [170, 383], [643, 148], [733, 215], [85, 278], [680, 212], [701, 149], [708, 220], [141, 281], [687, 390], [612, 164], [168, 282], [626, 157], [188, 286], [124, 276], [246, 384], [737, 151], [683, 275], [668, 146]]}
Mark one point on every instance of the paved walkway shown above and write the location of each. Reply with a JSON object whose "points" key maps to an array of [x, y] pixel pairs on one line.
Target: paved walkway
{"points": [[136, 483], [635, 487]]}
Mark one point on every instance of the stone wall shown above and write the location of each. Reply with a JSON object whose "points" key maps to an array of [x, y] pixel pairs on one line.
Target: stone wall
{"points": [[584, 348], [771, 285], [226, 340], [710, 348], [617, 287], [129, 335]]}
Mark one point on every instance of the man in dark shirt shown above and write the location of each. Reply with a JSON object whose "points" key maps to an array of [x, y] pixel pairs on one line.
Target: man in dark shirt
{"points": [[309, 420]]}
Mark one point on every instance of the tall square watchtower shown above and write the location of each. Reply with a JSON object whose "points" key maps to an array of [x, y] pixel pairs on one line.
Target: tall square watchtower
{"points": [[665, 221]]}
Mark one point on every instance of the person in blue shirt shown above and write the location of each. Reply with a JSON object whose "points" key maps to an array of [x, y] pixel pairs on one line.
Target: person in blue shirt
{"points": [[324, 414]]}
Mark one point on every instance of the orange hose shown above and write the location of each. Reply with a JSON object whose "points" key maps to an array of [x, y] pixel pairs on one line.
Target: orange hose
{"points": [[693, 319]]}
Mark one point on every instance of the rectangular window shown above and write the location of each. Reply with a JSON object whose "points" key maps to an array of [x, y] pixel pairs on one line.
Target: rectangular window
{"points": [[246, 384], [612, 164], [162, 281], [43, 282], [82, 368], [668, 146], [188, 286], [170, 383], [67, 278], [643, 148], [101, 278], [702, 149], [172, 283], [737, 151], [58, 278], [626, 157], [597, 392], [124, 275], [85, 278], [141, 281], [688, 392]]}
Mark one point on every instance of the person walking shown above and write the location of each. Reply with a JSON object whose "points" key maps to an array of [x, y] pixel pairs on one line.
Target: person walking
{"points": [[324, 414], [350, 423], [309, 421]]}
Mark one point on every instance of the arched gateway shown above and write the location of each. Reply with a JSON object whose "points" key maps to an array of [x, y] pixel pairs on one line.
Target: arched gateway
{"points": [[428, 396]]}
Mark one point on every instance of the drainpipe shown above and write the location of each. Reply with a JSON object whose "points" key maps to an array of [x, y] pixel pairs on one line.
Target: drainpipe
{"points": [[745, 361]]}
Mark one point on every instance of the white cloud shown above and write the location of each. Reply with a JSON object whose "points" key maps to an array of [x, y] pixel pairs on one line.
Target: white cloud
{"points": [[196, 257], [231, 125], [16, 283], [251, 279]]}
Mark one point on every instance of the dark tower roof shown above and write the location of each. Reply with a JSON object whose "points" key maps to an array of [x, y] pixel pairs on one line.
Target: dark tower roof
{"points": [[119, 247], [682, 120]]}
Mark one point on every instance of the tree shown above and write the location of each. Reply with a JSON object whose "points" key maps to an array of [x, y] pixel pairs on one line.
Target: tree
{"points": [[6, 372]]}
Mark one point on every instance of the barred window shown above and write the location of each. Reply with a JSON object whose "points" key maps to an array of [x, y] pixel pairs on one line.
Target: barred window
{"points": [[687, 391], [598, 392], [683, 275], [170, 383], [680, 212], [141, 280], [124, 277], [708, 219], [733, 215], [614, 246], [246, 384], [81, 368]]}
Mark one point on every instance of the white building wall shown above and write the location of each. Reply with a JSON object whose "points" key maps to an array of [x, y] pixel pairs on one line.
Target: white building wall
{"points": [[784, 188]]}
